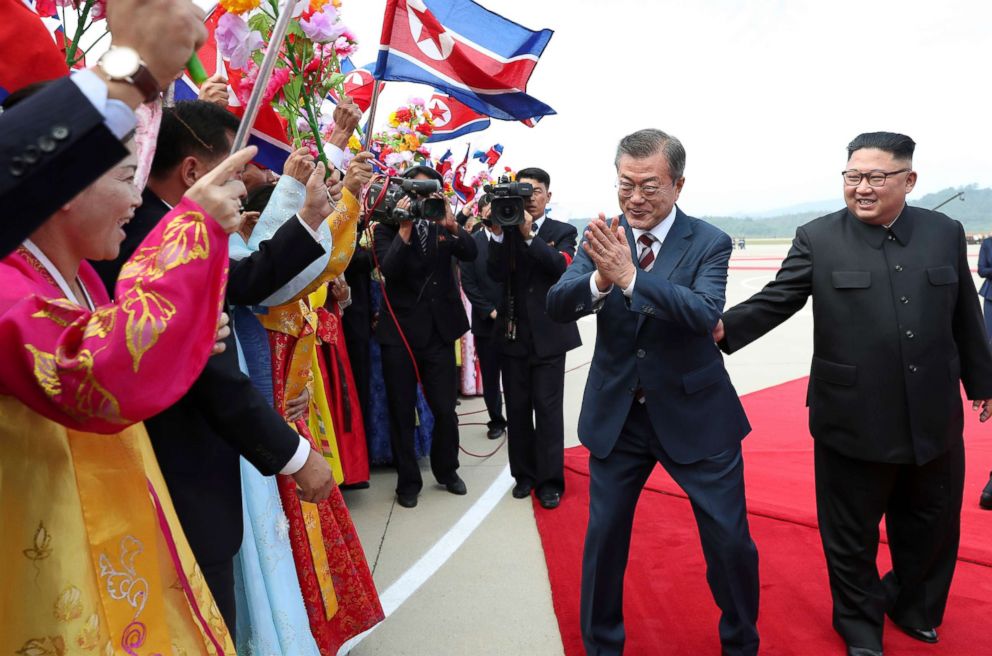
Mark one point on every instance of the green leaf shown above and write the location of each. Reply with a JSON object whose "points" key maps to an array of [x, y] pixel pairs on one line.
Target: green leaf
{"points": [[261, 22], [335, 79], [293, 87], [295, 29]]}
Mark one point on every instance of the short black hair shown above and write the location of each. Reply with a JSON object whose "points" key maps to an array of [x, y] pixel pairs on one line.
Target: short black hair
{"points": [[191, 127], [898, 145], [258, 198], [422, 169], [534, 173]]}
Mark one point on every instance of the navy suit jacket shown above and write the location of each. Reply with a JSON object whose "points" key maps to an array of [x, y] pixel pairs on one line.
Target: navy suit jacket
{"points": [[985, 268], [659, 340], [52, 146]]}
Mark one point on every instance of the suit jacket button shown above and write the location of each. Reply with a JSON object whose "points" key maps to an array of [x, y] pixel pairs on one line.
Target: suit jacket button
{"points": [[641, 353], [31, 154], [909, 334], [17, 167], [898, 267], [891, 238], [580, 307], [904, 300], [913, 368], [60, 132], [46, 143]]}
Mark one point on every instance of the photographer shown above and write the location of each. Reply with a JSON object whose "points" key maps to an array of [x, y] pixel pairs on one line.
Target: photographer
{"points": [[528, 253], [485, 294], [415, 258]]}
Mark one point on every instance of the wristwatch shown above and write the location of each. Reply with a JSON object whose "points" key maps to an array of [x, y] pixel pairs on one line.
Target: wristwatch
{"points": [[123, 64]]}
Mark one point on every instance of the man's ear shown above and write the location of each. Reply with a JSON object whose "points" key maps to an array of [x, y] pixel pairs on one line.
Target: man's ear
{"points": [[910, 181], [187, 171]]}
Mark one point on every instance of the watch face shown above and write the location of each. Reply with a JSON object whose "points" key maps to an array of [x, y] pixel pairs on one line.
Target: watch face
{"points": [[120, 62]]}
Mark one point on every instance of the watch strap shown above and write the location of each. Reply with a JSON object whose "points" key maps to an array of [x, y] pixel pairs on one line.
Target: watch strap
{"points": [[146, 83]]}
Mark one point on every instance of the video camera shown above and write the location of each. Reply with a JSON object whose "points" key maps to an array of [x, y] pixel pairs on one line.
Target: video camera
{"points": [[422, 205], [507, 201]]}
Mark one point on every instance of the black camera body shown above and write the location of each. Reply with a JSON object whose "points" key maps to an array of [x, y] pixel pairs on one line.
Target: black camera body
{"points": [[422, 205], [507, 201]]}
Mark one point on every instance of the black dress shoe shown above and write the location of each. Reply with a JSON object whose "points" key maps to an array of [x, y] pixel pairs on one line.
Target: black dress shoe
{"points": [[456, 486], [522, 490], [496, 432], [549, 499], [928, 636], [985, 501], [863, 651], [407, 500]]}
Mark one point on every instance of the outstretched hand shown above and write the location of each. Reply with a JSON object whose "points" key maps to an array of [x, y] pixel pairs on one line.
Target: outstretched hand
{"points": [[220, 190], [718, 331]]}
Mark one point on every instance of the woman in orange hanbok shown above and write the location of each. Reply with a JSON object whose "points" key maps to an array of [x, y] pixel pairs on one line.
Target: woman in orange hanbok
{"points": [[334, 576], [93, 556]]}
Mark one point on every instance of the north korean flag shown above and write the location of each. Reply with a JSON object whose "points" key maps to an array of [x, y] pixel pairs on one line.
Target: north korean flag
{"points": [[453, 119], [358, 84], [464, 50]]}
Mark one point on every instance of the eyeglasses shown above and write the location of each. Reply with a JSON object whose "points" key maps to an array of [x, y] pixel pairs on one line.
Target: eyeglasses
{"points": [[626, 189], [853, 177]]}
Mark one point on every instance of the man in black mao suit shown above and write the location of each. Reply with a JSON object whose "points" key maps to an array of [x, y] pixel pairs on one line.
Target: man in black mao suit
{"points": [[485, 295], [416, 262], [657, 391], [896, 329], [198, 440], [529, 259]]}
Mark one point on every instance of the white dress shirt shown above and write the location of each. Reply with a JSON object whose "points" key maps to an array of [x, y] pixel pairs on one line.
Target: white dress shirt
{"points": [[117, 116], [660, 232], [534, 227]]}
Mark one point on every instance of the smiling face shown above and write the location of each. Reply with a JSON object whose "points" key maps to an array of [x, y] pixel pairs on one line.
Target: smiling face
{"points": [[651, 172], [878, 205], [94, 220]]}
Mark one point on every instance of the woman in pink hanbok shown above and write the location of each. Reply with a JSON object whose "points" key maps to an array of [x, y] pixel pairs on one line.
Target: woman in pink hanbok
{"points": [[93, 555]]}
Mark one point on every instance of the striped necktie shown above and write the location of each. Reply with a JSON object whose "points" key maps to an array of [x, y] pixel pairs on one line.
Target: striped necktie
{"points": [[421, 226], [645, 259]]}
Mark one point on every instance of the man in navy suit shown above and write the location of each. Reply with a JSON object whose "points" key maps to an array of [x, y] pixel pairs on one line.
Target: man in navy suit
{"points": [[657, 390]]}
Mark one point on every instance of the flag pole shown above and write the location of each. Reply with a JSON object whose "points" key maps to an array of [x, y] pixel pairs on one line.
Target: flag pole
{"points": [[264, 73], [372, 107]]}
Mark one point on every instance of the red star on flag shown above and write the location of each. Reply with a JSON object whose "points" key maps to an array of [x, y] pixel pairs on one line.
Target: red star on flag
{"points": [[437, 112], [432, 28]]}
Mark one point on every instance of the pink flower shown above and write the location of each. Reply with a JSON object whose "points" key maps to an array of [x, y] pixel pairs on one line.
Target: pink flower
{"points": [[344, 48], [323, 26], [279, 79], [236, 41]]}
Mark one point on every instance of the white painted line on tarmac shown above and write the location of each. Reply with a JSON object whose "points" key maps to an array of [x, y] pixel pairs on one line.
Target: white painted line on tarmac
{"points": [[428, 565]]}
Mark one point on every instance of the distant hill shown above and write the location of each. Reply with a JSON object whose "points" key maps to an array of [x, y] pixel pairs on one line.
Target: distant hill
{"points": [[974, 212]]}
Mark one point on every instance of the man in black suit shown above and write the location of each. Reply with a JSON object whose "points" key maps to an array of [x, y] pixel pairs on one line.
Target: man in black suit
{"points": [[197, 441], [657, 391], [896, 329], [530, 258], [415, 258], [54, 144], [485, 295]]}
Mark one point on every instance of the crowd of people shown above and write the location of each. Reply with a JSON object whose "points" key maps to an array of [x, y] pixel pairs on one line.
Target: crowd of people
{"points": [[197, 362]]}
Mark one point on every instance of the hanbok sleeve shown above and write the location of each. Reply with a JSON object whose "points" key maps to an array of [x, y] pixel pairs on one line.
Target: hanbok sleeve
{"points": [[126, 361]]}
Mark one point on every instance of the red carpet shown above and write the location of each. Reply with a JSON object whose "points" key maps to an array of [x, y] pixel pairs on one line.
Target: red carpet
{"points": [[667, 604]]}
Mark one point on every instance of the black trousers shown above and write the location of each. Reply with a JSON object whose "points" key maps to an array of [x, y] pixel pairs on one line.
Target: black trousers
{"points": [[535, 392], [715, 487], [359, 356], [439, 376], [220, 580], [922, 509], [490, 364]]}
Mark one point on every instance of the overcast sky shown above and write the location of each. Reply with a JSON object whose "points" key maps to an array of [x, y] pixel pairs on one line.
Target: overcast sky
{"points": [[764, 94]]}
